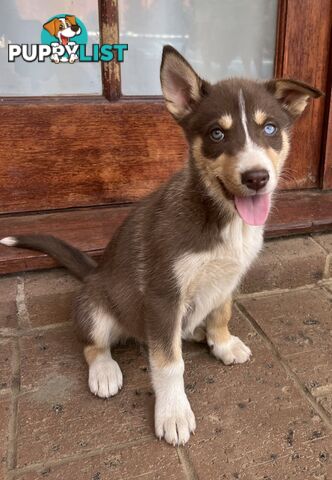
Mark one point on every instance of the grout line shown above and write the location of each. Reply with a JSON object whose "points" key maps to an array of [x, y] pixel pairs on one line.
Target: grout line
{"points": [[328, 262], [278, 291], [328, 257], [298, 384], [319, 244], [12, 429], [186, 463], [327, 291], [34, 330], [78, 456], [22, 311]]}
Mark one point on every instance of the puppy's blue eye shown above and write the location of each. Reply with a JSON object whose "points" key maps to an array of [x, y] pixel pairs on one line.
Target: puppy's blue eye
{"points": [[270, 129], [216, 134]]}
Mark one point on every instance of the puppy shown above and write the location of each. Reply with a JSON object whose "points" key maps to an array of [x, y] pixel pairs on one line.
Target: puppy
{"points": [[170, 270], [64, 29]]}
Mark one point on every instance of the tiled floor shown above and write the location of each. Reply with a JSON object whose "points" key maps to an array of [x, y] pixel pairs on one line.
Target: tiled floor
{"points": [[269, 419]]}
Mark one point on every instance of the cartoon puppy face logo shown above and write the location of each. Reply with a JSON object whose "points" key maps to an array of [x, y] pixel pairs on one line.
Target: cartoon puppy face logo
{"points": [[64, 29]]}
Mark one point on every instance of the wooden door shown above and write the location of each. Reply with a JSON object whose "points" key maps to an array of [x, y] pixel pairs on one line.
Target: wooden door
{"points": [[80, 182]]}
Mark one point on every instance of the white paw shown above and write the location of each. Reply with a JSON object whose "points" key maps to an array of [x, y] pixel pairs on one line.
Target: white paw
{"points": [[174, 420], [105, 377], [232, 351]]}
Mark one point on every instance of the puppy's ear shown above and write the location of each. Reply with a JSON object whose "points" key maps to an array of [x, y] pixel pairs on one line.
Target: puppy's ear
{"points": [[53, 26], [181, 86], [292, 94], [71, 19]]}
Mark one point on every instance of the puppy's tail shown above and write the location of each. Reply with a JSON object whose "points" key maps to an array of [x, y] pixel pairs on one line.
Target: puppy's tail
{"points": [[77, 262]]}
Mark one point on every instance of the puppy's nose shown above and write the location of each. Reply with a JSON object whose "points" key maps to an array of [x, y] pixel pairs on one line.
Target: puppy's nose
{"points": [[75, 28], [255, 179]]}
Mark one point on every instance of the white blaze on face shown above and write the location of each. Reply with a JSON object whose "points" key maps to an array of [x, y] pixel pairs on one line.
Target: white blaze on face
{"points": [[254, 157], [254, 207]]}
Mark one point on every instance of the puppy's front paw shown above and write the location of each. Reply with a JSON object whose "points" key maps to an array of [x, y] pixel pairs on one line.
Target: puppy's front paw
{"points": [[174, 420], [105, 377], [231, 351]]}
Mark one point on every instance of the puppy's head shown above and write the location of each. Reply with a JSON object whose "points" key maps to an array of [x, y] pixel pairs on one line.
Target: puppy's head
{"points": [[237, 129], [63, 28]]}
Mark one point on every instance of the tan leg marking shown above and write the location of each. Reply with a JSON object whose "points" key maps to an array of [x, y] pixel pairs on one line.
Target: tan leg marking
{"points": [[217, 323], [91, 352], [163, 355], [224, 346]]}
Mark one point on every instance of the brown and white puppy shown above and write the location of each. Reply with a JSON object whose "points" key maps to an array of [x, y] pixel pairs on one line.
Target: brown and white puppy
{"points": [[170, 270]]}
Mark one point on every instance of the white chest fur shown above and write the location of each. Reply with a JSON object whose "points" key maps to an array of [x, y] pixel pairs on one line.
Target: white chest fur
{"points": [[208, 278]]}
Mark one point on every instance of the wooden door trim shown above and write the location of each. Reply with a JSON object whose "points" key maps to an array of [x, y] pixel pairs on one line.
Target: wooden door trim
{"points": [[280, 38], [109, 34], [302, 52], [326, 171], [327, 155]]}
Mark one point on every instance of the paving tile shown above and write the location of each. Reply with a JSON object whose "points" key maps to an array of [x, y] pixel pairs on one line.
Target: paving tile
{"points": [[56, 424], [309, 461], [286, 263], [248, 415], [48, 355], [8, 317], [6, 363], [151, 461], [299, 324], [58, 416], [49, 296], [57, 354], [5, 409]]}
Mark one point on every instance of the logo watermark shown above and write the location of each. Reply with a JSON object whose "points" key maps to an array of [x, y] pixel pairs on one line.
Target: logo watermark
{"points": [[64, 39]]}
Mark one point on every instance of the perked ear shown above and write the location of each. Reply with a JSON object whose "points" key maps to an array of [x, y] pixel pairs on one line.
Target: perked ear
{"points": [[292, 94], [181, 86]]}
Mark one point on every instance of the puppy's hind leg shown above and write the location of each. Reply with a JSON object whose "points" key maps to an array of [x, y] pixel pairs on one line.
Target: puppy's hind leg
{"points": [[105, 376]]}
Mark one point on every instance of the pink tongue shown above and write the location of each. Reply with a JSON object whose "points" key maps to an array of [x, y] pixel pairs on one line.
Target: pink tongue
{"points": [[254, 210]]}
